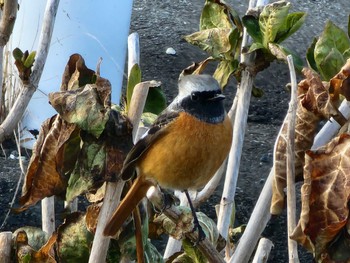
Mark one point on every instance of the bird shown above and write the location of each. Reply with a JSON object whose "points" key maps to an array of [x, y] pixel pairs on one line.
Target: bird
{"points": [[182, 149]]}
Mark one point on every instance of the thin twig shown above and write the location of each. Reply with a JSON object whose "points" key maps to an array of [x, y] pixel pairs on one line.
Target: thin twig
{"points": [[291, 199]]}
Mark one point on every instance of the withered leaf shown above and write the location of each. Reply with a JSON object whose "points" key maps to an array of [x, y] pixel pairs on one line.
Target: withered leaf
{"points": [[314, 105], [76, 74], [325, 195], [340, 83], [84, 107], [48, 168], [100, 159], [91, 218]]}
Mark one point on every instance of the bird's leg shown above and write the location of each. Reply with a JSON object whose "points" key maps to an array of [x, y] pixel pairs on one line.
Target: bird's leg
{"points": [[201, 234]]}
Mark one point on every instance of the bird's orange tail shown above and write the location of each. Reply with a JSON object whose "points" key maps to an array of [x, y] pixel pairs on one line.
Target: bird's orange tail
{"points": [[137, 191]]}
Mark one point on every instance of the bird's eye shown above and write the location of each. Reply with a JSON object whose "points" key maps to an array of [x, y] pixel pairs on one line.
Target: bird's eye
{"points": [[194, 96]]}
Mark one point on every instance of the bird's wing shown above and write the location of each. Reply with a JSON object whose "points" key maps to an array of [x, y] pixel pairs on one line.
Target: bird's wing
{"points": [[157, 129]]}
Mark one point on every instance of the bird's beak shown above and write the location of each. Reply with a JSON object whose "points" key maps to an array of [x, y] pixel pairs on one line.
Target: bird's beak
{"points": [[217, 97]]}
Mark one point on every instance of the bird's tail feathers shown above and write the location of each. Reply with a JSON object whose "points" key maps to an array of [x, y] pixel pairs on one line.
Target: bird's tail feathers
{"points": [[137, 191]]}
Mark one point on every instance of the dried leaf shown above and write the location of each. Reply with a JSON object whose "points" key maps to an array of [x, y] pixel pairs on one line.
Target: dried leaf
{"points": [[82, 106], [340, 83], [314, 104], [215, 41], [100, 159], [76, 74], [325, 195], [91, 218], [46, 174]]}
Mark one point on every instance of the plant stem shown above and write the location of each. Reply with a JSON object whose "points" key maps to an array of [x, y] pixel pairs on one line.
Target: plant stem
{"points": [[291, 199], [263, 251]]}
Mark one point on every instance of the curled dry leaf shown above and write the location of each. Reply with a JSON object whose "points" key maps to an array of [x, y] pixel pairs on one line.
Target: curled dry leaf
{"points": [[53, 157], [314, 104], [325, 196]]}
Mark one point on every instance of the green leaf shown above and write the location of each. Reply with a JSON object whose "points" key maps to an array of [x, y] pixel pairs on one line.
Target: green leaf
{"points": [[281, 53], [215, 41], [331, 64], [148, 118], [310, 55], [17, 54], [255, 46], [272, 19], [133, 80], [156, 100], [329, 50], [224, 71], [90, 167], [251, 23], [30, 60], [215, 15], [293, 22]]}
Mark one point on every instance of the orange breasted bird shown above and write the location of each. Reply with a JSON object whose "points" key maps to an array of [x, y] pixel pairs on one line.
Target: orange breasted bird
{"points": [[183, 148]]}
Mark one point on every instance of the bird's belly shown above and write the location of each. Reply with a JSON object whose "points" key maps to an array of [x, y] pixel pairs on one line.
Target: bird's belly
{"points": [[189, 155]]}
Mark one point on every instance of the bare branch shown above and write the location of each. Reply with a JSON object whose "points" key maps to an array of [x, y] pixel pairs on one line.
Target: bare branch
{"points": [[291, 200]]}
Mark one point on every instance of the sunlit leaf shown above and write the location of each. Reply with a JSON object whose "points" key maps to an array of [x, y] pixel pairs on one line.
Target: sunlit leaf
{"points": [[291, 24], [215, 41], [224, 70], [329, 50], [30, 60], [74, 240], [215, 15], [271, 19], [82, 107]]}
